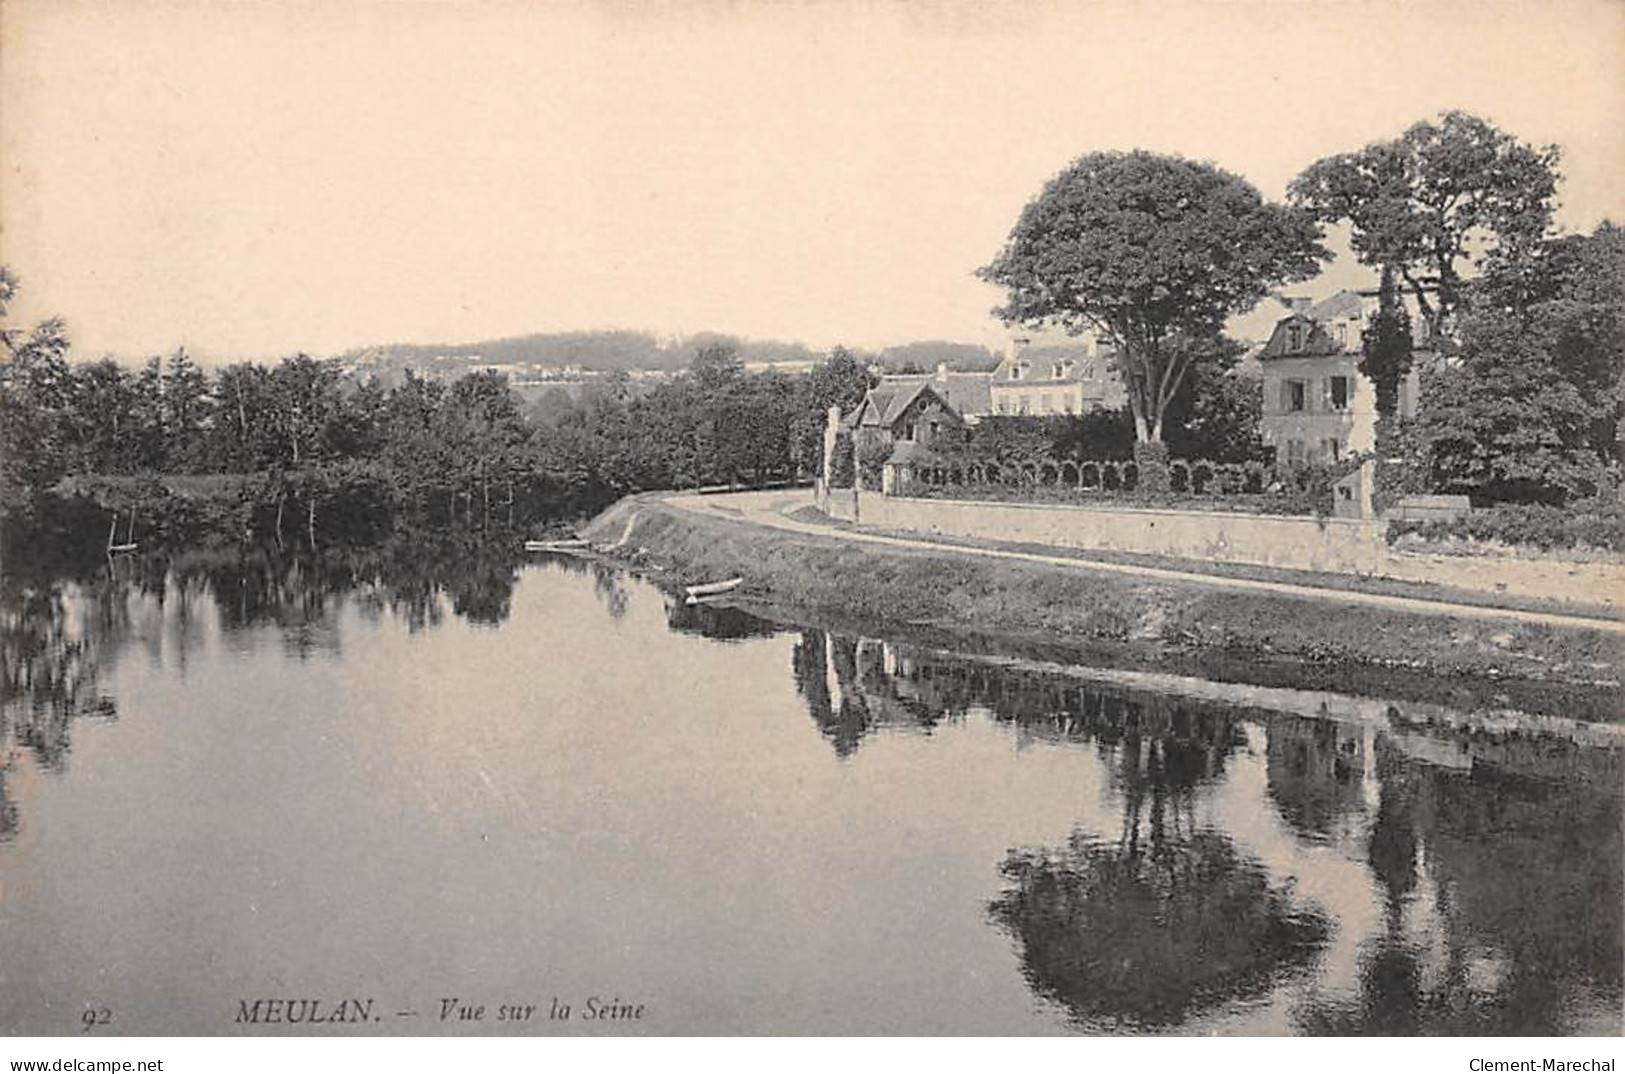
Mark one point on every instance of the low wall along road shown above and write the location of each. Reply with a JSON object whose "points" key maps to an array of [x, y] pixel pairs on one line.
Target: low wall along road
{"points": [[1313, 544], [1334, 545]]}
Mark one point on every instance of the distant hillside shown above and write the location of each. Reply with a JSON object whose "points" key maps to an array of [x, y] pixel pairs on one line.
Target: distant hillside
{"points": [[599, 352], [923, 357], [552, 355]]}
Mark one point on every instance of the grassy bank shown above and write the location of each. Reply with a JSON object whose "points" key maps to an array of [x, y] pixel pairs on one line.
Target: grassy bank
{"points": [[835, 580], [1351, 583]]}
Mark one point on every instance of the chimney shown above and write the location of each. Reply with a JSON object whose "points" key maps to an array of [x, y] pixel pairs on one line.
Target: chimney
{"points": [[1296, 303], [942, 372]]}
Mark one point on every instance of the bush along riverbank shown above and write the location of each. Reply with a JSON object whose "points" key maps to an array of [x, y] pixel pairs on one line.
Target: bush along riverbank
{"points": [[831, 579]]}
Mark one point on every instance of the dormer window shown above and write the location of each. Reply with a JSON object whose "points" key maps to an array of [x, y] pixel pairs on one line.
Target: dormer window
{"points": [[1294, 337]]}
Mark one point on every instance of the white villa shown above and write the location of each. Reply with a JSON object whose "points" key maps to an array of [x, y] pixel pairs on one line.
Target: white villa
{"points": [[1317, 405]]}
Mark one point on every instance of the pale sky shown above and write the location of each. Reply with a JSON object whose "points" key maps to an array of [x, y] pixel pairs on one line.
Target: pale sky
{"points": [[250, 180]]}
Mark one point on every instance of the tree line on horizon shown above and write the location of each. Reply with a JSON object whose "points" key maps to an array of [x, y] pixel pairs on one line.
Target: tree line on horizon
{"points": [[617, 351]]}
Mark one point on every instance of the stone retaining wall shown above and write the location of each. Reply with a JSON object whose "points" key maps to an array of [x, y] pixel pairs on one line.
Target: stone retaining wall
{"points": [[1297, 543], [1342, 545]]}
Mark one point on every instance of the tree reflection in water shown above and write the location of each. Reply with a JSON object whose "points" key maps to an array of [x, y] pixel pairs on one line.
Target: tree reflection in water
{"points": [[60, 634], [49, 678], [1169, 919], [718, 622], [1502, 902], [1495, 861], [1482, 872], [608, 582]]}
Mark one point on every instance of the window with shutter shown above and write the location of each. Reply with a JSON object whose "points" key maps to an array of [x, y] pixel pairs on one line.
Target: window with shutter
{"points": [[1296, 396], [1338, 395]]}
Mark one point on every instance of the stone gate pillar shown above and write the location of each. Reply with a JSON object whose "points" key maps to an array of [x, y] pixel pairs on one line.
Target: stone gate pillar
{"points": [[832, 427]]}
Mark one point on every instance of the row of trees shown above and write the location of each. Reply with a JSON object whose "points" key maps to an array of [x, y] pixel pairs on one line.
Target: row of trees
{"points": [[714, 425], [463, 450]]}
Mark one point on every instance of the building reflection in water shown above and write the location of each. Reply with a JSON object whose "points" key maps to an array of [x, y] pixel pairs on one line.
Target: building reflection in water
{"points": [[1412, 879]]}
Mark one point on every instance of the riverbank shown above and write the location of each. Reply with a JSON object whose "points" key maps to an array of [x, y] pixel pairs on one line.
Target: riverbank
{"points": [[1537, 666]]}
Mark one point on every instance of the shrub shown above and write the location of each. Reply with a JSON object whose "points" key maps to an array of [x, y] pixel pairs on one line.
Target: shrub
{"points": [[1590, 524], [1151, 464], [871, 459]]}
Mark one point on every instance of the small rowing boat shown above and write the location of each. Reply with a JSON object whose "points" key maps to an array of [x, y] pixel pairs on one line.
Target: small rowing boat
{"points": [[554, 546], [697, 593]]}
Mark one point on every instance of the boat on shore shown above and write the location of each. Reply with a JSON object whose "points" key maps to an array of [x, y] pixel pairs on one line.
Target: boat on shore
{"points": [[555, 546], [697, 593]]}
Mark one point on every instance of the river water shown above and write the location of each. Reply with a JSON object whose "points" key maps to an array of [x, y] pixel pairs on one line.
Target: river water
{"points": [[241, 794]]}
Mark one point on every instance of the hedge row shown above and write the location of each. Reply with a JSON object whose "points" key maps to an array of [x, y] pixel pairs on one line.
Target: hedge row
{"points": [[1593, 524]]}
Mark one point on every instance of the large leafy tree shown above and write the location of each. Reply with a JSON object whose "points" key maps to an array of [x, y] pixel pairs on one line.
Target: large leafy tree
{"points": [[243, 437], [35, 399], [414, 449], [187, 410], [1532, 411], [102, 420], [1425, 205], [716, 366], [1216, 415], [482, 425], [1149, 250], [840, 380], [1507, 425], [305, 404]]}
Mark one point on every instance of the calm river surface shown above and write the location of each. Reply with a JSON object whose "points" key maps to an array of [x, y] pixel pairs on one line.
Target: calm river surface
{"points": [[540, 784]]}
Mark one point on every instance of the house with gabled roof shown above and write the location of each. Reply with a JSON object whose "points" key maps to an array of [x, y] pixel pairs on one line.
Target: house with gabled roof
{"points": [[915, 414], [967, 392]]}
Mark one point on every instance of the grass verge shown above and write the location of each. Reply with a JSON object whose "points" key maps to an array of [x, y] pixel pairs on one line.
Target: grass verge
{"points": [[828, 577]]}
